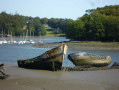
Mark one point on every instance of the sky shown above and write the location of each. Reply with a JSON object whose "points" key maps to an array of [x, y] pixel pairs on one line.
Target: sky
{"points": [[70, 9]]}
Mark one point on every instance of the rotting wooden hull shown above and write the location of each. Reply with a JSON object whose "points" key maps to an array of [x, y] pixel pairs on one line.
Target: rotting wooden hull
{"points": [[89, 60], [50, 60]]}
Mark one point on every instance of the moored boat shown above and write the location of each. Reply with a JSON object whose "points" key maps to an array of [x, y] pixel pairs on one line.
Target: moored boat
{"points": [[88, 59], [50, 60]]}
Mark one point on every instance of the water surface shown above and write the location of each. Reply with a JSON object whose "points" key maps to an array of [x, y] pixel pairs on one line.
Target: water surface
{"points": [[11, 53]]}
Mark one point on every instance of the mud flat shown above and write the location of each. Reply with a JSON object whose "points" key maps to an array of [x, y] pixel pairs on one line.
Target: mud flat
{"points": [[83, 45], [29, 79]]}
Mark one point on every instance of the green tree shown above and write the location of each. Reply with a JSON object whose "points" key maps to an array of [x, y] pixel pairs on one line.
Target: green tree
{"points": [[44, 20], [75, 30], [101, 24]]}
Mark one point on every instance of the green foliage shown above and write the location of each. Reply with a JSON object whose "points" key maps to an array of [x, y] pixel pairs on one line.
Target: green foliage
{"points": [[101, 24], [75, 30], [39, 29], [44, 20], [18, 25], [59, 24]]}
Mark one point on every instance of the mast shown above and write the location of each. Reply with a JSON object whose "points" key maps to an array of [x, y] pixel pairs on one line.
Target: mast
{"points": [[2, 33], [30, 34], [33, 35], [26, 34], [11, 38]]}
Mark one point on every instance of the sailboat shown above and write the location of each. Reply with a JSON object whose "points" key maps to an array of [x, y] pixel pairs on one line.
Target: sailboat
{"points": [[40, 41], [4, 41], [29, 41], [12, 41], [0, 42], [21, 41]]}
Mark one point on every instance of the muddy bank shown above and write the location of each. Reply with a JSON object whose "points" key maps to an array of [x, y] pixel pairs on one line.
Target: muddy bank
{"points": [[28, 79], [82, 45]]}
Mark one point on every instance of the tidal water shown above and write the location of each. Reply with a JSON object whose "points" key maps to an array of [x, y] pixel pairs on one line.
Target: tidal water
{"points": [[9, 54]]}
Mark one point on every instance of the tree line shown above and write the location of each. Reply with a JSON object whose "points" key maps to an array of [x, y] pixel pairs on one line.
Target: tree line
{"points": [[20, 25], [101, 24]]}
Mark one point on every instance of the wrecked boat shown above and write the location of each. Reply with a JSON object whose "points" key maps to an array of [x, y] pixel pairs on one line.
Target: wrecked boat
{"points": [[88, 59], [3, 75], [50, 60]]}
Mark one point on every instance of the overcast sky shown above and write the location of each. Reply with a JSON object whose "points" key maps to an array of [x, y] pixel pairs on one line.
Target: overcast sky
{"points": [[53, 8]]}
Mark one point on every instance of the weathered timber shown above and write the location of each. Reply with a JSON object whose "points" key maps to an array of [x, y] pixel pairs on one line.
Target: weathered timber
{"points": [[50, 60], [2, 74], [75, 68], [85, 59]]}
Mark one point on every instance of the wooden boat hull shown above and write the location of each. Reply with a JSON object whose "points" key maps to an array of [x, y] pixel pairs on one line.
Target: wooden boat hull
{"points": [[89, 60], [50, 60]]}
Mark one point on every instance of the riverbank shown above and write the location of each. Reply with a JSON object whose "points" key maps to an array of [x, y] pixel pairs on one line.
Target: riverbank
{"points": [[83, 45], [27, 79]]}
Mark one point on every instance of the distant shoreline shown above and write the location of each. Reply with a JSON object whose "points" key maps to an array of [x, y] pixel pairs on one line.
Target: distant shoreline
{"points": [[83, 45]]}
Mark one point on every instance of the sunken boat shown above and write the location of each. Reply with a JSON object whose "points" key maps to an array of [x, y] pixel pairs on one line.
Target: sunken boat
{"points": [[50, 60], [89, 59]]}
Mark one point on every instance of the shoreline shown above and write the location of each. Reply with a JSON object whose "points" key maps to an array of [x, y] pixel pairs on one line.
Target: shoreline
{"points": [[29, 79], [82, 45]]}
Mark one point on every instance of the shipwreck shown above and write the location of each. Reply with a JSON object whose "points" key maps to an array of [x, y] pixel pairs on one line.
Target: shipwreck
{"points": [[50, 60], [89, 59]]}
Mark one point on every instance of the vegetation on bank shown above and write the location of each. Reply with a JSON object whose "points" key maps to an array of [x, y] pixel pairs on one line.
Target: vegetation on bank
{"points": [[101, 24], [51, 32], [95, 42], [19, 25], [84, 45]]}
